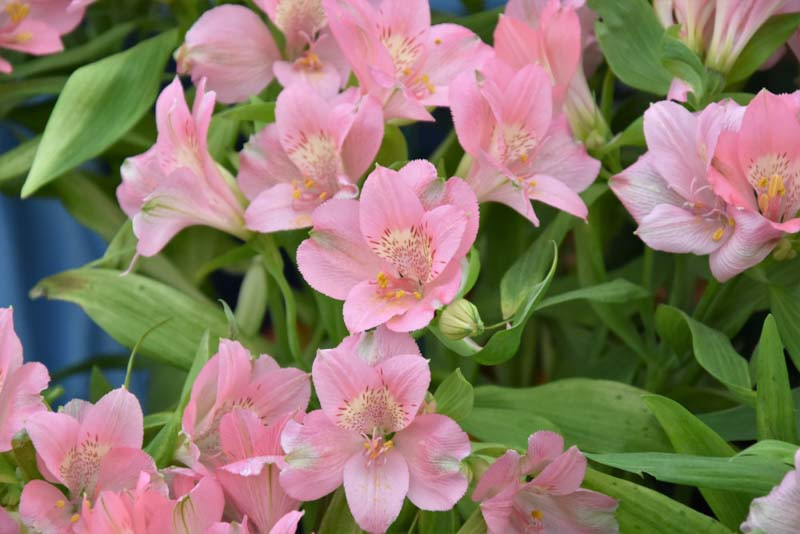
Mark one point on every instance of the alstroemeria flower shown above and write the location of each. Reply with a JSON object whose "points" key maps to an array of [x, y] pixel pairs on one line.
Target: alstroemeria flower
{"points": [[316, 149], [176, 183], [522, 150], [21, 384], [285, 525], [397, 55], [231, 380], [552, 501], [232, 48], [250, 480], [369, 437], [10, 525], [756, 169], [35, 26], [778, 512], [87, 448], [668, 193], [394, 256]]}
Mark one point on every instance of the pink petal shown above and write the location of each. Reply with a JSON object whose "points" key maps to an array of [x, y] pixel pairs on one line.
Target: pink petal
{"points": [[727, 177], [5, 66], [563, 475], [336, 257], [580, 512], [200, 508], [57, 14], [386, 344], [277, 393], [453, 49], [562, 157], [503, 474], [490, 186], [526, 100], [673, 229], [20, 397], [10, 346], [472, 117], [679, 90], [116, 420], [264, 163], [752, 239], [243, 435], [33, 37], [340, 376], [640, 188], [670, 130], [777, 512], [8, 524], [53, 435], [556, 193], [316, 453], [433, 447], [287, 524], [363, 138], [407, 378], [765, 129], [543, 447], [387, 203], [375, 491], [274, 210], [497, 512], [446, 225], [121, 468], [365, 309], [232, 49], [39, 508]]}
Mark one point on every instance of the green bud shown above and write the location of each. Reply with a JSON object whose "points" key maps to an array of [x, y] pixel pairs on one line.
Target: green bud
{"points": [[784, 250], [460, 319]]}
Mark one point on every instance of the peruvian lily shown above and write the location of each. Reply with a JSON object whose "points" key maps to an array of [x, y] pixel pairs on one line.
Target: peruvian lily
{"points": [[777, 513], [756, 170], [316, 149], [36, 26], [250, 480], [232, 380], [667, 190], [397, 55], [176, 183], [370, 437], [9, 524], [87, 448], [394, 256], [552, 501], [522, 151], [285, 525], [20, 384]]}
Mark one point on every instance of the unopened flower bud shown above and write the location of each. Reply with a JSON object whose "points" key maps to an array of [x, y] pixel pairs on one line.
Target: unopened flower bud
{"points": [[461, 319], [784, 250]]}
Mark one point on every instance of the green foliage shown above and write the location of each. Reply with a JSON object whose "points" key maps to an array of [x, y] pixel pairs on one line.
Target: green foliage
{"points": [[454, 396]]}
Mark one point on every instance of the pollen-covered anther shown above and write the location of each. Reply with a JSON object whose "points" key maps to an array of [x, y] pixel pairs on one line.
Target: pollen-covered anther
{"points": [[60, 503], [309, 61], [376, 446], [426, 81], [17, 11], [374, 409], [717, 235], [22, 38], [74, 518]]}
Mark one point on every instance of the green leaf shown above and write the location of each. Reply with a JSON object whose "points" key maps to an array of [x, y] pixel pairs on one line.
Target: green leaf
{"points": [[630, 36], [454, 396], [739, 423], [259, 111], [773, 449], [100, 102], [712, 350], [751, 475], [162, 446], [438, 522], [127, 306], [474, 524], [393, 148], [616, 291], [679, 60], [595, 415], [689, 435], [511, 427], [337, 518], [16, 92], [18, 160], [98, 384], [473, 271], [775, 415], [785, 305], [768, 38], [644, 510], [252, 303]]}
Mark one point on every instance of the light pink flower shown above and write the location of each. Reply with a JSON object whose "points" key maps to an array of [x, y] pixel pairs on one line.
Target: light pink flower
{"points": [[77, 5], [522, 150], [777, 513], [20, 385], [8, 524], [34, 26], [552, 501], [88, 449], [176, 183], [232, 49], [695, 18], [394, 256], [756, 170], [397, 55], [316, 149], [369, 435], [250, 480], [285, 525], [231, 380], [668, 193]]}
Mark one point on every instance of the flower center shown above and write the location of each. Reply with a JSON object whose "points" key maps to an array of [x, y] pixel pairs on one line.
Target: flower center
{"points": [[375, 409], [294, 14], [775, 184], [309, 62], [405, 52], [79, 468], [17, 11], [375, 447], [409, 250], [536, 524]]}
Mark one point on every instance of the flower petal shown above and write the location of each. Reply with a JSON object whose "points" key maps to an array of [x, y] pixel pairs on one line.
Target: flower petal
{"points": [[673, 229], [375, 490]]}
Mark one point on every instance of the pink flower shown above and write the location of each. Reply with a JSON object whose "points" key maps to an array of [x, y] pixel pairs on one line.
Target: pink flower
{"points": [[232, 49], [231, 380], [176, 183], [667, 190], [285, 525], [312, 54], [8, 524], [695, 18], [394, 256], [777, 513], [552, 502], [756, 170], [20, 385], [369, 435], [316, 149], [522, 150], [87, 449], [397, 55], [250, 480]]}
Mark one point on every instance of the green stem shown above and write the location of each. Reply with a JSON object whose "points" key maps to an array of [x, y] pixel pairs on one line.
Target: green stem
{"points": [[709, 294], [607, 97]]}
